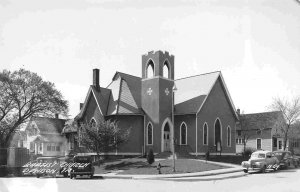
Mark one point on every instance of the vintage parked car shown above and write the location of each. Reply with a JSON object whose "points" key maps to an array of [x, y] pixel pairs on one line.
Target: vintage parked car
{"points": [[286, 159], [261, 161], [82, 166], [49, 166]]}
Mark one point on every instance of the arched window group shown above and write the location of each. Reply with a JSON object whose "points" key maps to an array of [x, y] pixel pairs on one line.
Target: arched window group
{"points": [[150, 134], [150, 69]]}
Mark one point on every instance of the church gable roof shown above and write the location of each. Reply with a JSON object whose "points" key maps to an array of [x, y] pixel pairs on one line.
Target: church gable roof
{"points": [[192, 92], [101, 96], [126, 94]]}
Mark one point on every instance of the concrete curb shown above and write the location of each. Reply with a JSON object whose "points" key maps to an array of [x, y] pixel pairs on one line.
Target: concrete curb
{"points": [[233, 169]]}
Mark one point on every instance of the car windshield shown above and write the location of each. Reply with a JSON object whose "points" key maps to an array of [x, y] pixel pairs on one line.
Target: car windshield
{"points": [[258, 155], [82, 159]]}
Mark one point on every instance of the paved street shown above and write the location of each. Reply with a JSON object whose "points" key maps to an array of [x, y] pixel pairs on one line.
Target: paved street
{"points": [[284, 180]]}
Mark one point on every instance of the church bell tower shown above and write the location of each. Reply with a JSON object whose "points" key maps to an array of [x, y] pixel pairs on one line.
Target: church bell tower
{"points": [[157, 96]]}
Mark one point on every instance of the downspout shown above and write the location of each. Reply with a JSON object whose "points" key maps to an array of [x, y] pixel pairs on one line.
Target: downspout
{"points": [[144, 135]]}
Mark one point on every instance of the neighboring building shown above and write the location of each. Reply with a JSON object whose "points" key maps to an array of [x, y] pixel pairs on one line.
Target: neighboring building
{"points": [[294, 138], [43, 136], [70, 132], [260, 131], [204, 113]]}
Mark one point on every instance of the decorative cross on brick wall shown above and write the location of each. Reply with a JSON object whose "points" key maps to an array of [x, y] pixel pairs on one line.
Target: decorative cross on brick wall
{"points": [[149, 91], [167, 91]]}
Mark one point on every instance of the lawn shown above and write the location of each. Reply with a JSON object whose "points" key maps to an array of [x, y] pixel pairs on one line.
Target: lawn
{"points": [[237, 159], [139, 166]]}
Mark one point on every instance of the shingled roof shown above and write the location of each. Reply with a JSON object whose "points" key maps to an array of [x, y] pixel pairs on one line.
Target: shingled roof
{"points": [[258, 121], [123, 95], [48, 125]]}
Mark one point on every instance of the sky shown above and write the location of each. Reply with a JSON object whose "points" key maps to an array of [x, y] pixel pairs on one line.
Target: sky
{"points": [[254, 43]]}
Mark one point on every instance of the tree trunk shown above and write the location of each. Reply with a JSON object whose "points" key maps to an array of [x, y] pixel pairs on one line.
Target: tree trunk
{"points": [[285, 141]]}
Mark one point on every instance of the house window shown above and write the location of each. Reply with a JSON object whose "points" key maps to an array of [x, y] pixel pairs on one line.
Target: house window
{"points": [[31, 146], [239, 132], [41, 146], [49, 147], [228, 137], [52, 148], [205, 134], [258, 143], [183, 134], [149, 134], [274, 142], [279, 144], [237, 141], [57, 148]]}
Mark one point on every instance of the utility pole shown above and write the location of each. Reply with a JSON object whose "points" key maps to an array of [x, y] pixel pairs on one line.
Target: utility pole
{"points": [[173, 122]]}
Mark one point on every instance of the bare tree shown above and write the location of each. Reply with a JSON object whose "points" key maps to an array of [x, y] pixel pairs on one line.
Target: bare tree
{"points": [[103, 137], [245, 130], [24, 94], [291, 112]]}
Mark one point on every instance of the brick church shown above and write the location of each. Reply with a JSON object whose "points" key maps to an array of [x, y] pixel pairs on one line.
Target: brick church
{"points": [[192, 115]]}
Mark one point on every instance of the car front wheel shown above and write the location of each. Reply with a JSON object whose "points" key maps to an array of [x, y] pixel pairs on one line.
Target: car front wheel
{"points": [[245, 170]]}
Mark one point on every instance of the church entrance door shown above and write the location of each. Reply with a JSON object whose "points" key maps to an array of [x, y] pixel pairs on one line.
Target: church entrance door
{"points": [[167, 138]]}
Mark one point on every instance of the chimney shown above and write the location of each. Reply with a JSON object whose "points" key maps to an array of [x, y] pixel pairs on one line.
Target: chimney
{"points": [[96, 78], [80, 106], [56, 115], [238, 111]]}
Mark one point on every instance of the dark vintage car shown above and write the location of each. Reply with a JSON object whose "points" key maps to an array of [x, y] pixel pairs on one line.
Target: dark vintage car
{"points": [[286, 159], [48, 166], [82, 165]]}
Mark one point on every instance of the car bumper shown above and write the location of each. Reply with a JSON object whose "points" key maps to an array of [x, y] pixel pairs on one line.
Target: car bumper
{"points": [[82, 173]]}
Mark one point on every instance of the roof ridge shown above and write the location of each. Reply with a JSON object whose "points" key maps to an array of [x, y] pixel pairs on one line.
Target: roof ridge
{"points": [[198, 75], [128, 74], [261, 112]]}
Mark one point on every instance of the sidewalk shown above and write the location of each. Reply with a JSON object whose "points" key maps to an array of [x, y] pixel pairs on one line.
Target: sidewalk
{"points": [[233, 169]]}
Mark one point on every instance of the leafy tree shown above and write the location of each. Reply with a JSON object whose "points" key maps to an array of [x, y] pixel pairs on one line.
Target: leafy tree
{"points": [[103, 137], [24, 94], [291, 112]]}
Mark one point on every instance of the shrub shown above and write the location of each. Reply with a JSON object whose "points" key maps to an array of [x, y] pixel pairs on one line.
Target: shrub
{"points": [[150, 157], [248, 151]]}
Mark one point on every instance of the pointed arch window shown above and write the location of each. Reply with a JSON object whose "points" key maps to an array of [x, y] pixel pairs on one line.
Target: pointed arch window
{"points": [[150, 69], [149, 134], [166, 70], [228, 136], [205, 134], [183, 134], [218, 131], [93, 123]]}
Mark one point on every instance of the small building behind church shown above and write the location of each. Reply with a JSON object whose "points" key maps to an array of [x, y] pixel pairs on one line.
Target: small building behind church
{"points": [[190, 115], [260, 131], [43, 136]]}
